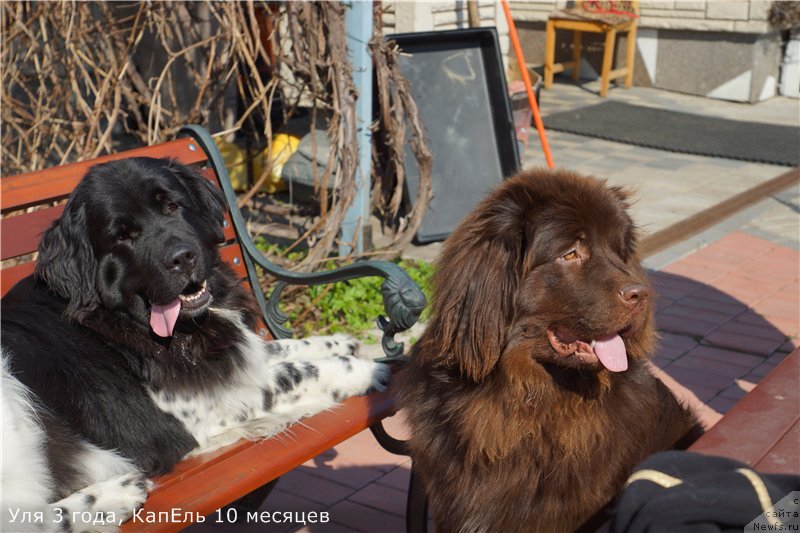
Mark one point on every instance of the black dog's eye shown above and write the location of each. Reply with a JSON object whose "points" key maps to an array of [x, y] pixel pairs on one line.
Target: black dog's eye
{"points": [[126, 235], [167, 205]]}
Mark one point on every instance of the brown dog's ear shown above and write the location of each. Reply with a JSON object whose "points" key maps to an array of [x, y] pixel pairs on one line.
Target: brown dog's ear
{"points": [[474, 289], [629, 233]]}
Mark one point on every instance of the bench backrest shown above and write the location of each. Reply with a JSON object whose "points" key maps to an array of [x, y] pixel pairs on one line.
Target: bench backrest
{"points": [[31, 202]]}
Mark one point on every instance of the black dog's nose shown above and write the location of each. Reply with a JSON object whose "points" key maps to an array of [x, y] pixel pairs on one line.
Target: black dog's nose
{"points": [[181, 257], [634, 293]]}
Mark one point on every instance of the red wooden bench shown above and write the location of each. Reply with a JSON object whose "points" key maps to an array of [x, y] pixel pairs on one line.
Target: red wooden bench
{"points": [[200, 485], [763, 429]]}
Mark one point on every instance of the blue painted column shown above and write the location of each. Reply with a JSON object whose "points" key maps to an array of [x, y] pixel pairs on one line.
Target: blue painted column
{"points": [[358, 24]]}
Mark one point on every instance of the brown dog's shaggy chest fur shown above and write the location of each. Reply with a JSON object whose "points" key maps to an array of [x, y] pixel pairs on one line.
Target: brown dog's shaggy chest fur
{"points": [[528, 394]]}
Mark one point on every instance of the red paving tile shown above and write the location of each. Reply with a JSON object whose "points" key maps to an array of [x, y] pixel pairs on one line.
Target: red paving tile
{"points": [[779, 307], [353, 476], [790, 345], [660, 361], [693, 377], [727, 356], [731, 308], [331, 527], [324, 491], [397, 478], [364, 487], [743, 342], [687, 326], [745, 385], [788, 327], [760, 329], [662, 303], [382, 498], [363, 518], [711, 366], [695, 272], [735, 391], [669, 353], [722, 404], [697, 314], [677, 341]]}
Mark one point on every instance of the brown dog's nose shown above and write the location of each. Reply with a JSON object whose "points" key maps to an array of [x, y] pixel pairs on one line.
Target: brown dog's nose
{"points": [[633, 294]]}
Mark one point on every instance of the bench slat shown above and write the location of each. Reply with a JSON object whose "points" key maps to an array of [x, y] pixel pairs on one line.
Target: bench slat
{"points": [[21, 233], [760, 421], [203, 484], [52, 184], [232, 254], [783, 457], [13, 274]]}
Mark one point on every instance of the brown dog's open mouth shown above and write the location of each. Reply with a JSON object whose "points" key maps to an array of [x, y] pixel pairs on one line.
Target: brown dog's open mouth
{"points": [[608, 350]]}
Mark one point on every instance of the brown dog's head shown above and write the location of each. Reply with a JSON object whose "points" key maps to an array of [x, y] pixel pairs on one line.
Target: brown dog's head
{"points": [[546, 264]]}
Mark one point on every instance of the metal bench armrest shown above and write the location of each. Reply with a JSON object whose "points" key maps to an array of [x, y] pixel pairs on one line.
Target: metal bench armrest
{"points": [[403, 300]]}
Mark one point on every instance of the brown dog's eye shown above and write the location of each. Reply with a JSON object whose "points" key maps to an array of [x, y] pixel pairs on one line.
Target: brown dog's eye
{"points": [[171, 207], [569, 256]]}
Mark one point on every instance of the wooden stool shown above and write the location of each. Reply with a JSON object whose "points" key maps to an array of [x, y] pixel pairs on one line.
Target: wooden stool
{"points": [[594, 17]]}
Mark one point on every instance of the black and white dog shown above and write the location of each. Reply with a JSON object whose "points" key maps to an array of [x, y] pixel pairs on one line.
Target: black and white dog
{"points": [[131, 346]]}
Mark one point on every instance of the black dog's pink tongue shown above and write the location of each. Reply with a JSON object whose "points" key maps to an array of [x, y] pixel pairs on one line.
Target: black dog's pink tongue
{"points": [[163, 317], [611, 352]]}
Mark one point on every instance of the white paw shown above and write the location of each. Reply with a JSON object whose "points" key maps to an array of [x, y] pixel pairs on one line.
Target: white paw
{"points": [[115, 499], [131, 494], [363, 376]]}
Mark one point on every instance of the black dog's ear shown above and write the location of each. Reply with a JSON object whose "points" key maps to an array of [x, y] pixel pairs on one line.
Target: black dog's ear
{"points": [[206, 196], [67, 263]]}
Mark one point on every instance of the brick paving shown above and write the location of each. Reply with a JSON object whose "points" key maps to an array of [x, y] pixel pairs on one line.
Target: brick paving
{"points": [[727, 315]]}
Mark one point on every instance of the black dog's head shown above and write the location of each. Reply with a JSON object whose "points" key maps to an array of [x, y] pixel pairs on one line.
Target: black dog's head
{"points": [[137, 235]]}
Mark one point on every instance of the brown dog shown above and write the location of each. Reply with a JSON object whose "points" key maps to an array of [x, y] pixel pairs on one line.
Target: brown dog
{"points": [[528, 394]]}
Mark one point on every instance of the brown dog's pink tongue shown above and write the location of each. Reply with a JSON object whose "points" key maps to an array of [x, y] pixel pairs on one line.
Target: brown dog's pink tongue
{"points": [[611, 352], [163, 317]]}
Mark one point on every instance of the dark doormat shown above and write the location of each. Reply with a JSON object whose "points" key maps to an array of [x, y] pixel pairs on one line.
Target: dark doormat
{"points": [[682, 132]]}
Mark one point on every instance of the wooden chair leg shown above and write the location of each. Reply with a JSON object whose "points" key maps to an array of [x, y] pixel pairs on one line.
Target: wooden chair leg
{"points": [[549, 54], [608, 58], [576, 54], [630, 57]]}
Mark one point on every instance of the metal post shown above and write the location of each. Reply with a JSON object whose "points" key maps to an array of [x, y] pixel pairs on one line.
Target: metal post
{"points": [[358, 24]]}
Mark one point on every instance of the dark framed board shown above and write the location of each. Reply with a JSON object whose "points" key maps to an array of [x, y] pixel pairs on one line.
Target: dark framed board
{"points": [[458, 81]]}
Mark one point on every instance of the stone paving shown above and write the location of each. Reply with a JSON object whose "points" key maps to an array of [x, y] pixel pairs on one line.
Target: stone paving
{"points": [[669, 186], [728, 311]]}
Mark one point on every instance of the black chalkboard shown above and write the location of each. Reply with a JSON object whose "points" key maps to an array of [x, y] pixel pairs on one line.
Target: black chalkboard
{"points": [[458, 83]]}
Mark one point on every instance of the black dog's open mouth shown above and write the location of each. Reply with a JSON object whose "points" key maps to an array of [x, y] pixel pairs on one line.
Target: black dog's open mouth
{"points": [[193, 300], [608, 350], [194, 297]]}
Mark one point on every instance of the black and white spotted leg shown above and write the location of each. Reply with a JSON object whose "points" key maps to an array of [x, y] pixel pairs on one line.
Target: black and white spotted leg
{"points": [[312, 347], [101, 507]]}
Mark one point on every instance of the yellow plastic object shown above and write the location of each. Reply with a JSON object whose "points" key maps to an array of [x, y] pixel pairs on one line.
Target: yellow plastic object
{"points": [[235, 159], [283, 146]]}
